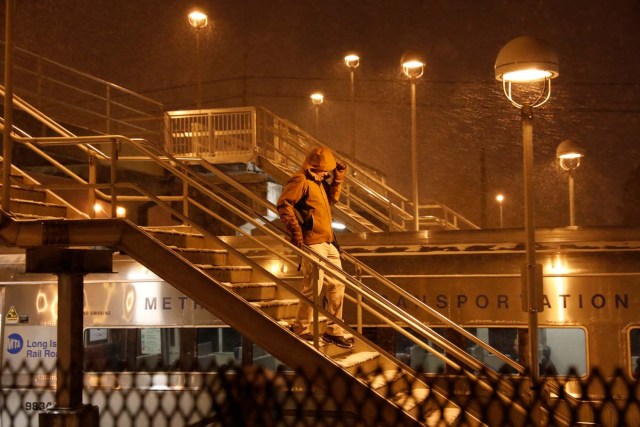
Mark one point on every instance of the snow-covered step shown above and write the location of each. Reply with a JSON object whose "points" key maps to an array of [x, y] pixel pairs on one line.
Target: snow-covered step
{"points": [[278, 309], [359, 362], [228, 273], [202, 255], [252, 291]]}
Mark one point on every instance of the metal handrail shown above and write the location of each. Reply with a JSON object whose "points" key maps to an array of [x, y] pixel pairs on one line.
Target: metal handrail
{"points": [[151, 152], [107, 95], [284, 128], [355, 285]]}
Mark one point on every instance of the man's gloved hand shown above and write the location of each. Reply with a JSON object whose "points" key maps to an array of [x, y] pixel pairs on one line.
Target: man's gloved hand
{"points": [[296, 238], [339, 171]]}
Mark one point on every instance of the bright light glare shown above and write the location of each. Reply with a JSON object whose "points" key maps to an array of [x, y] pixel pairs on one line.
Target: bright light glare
{"points": [[570, 156], [413, 68], [198, 19], [338, 226], [121, 212], [529, 75], [352, 60], [500, 198], [317, 98], [97, 208]]}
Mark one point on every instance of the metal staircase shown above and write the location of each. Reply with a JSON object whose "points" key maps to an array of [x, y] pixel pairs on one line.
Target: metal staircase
{"points": [[279, 148], [234, 287], [87, 105]]}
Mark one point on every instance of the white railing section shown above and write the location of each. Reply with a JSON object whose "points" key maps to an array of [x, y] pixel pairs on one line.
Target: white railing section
{"points": [[217, 136]]}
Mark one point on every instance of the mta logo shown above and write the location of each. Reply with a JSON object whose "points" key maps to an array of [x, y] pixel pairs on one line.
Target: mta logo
{"points": [[14, 343]]}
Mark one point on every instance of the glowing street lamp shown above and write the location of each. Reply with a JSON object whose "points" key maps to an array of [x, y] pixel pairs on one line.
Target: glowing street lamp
{"points": [[352, 61], [413, 67], [317, 98], [198, 21], [569, 155], [500, 199], [528, 60]]}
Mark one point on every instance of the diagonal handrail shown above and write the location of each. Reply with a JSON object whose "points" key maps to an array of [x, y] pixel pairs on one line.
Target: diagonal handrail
{"points": [[221, 134], [374, 302], [152, 153], [173, 165], [74, 96]]}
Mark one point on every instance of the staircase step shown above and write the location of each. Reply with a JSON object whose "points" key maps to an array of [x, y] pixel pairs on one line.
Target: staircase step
{"points": [[363, 362], [202, 256], [18, 192], [388, 382], [278, 309], [254, 291], [410, 401], [40, 209], [181, 239], [228, 273]]}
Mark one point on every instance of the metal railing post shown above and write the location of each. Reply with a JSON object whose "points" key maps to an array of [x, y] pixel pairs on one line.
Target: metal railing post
{"points": [[108, 109], [359, 300], [7, 144], [93, 173], [316, 304], [114, 172], [185, 198], [348, 194]]}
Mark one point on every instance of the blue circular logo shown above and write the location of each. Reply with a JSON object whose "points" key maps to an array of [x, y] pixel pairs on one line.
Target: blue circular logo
{"points": [[14, 343]]}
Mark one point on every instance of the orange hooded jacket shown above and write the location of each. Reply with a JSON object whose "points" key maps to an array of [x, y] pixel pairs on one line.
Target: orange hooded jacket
{"points": [[311, 196]]}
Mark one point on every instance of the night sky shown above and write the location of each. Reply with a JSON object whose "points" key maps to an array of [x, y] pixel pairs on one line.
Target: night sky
{"points": [[275, 53]]}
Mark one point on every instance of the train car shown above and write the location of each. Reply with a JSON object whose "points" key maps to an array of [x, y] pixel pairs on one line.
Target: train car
{"points": [[143, 335], [144, 343]]}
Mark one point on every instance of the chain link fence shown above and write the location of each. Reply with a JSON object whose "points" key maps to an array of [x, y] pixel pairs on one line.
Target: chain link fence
{"points": [[234, 395]]}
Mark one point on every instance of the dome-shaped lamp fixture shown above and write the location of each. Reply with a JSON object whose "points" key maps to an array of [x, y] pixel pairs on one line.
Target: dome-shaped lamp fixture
{"points": [[413, 64], [527, 59], [569, 155]]}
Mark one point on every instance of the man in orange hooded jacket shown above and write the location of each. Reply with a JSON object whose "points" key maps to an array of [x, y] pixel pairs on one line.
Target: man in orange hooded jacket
{"points": [[311, 194]]}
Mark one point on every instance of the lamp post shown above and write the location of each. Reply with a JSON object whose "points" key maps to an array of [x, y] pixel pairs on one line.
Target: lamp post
{"points": [[317, 98], [352, 61], [413, 68], [529, 60], [500, 199], [198, 20], [569, 155]]}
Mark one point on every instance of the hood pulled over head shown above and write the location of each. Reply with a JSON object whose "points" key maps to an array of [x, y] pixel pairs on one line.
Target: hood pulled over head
{"points": [[320, 159]]}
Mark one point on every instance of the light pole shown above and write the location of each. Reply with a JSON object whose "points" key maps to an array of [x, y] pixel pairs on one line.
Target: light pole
{"points": [[352, 61], [529, 60], [500, 199], [198, 20], [413, 67], [317, 98], [569, 155]]}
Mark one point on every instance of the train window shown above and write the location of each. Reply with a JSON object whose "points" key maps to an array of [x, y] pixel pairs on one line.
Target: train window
{"points": [[634, 347], [560, 349], [217, 346], [159, 349], [416, 356]]}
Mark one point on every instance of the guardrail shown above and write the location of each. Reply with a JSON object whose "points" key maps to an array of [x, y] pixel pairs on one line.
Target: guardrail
{"points": [[254, 133], [374, 303], [82, 100], [217, 136]]}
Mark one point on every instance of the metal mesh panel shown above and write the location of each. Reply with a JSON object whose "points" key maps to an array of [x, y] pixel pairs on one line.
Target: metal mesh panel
{"points": [[233, 395]]}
